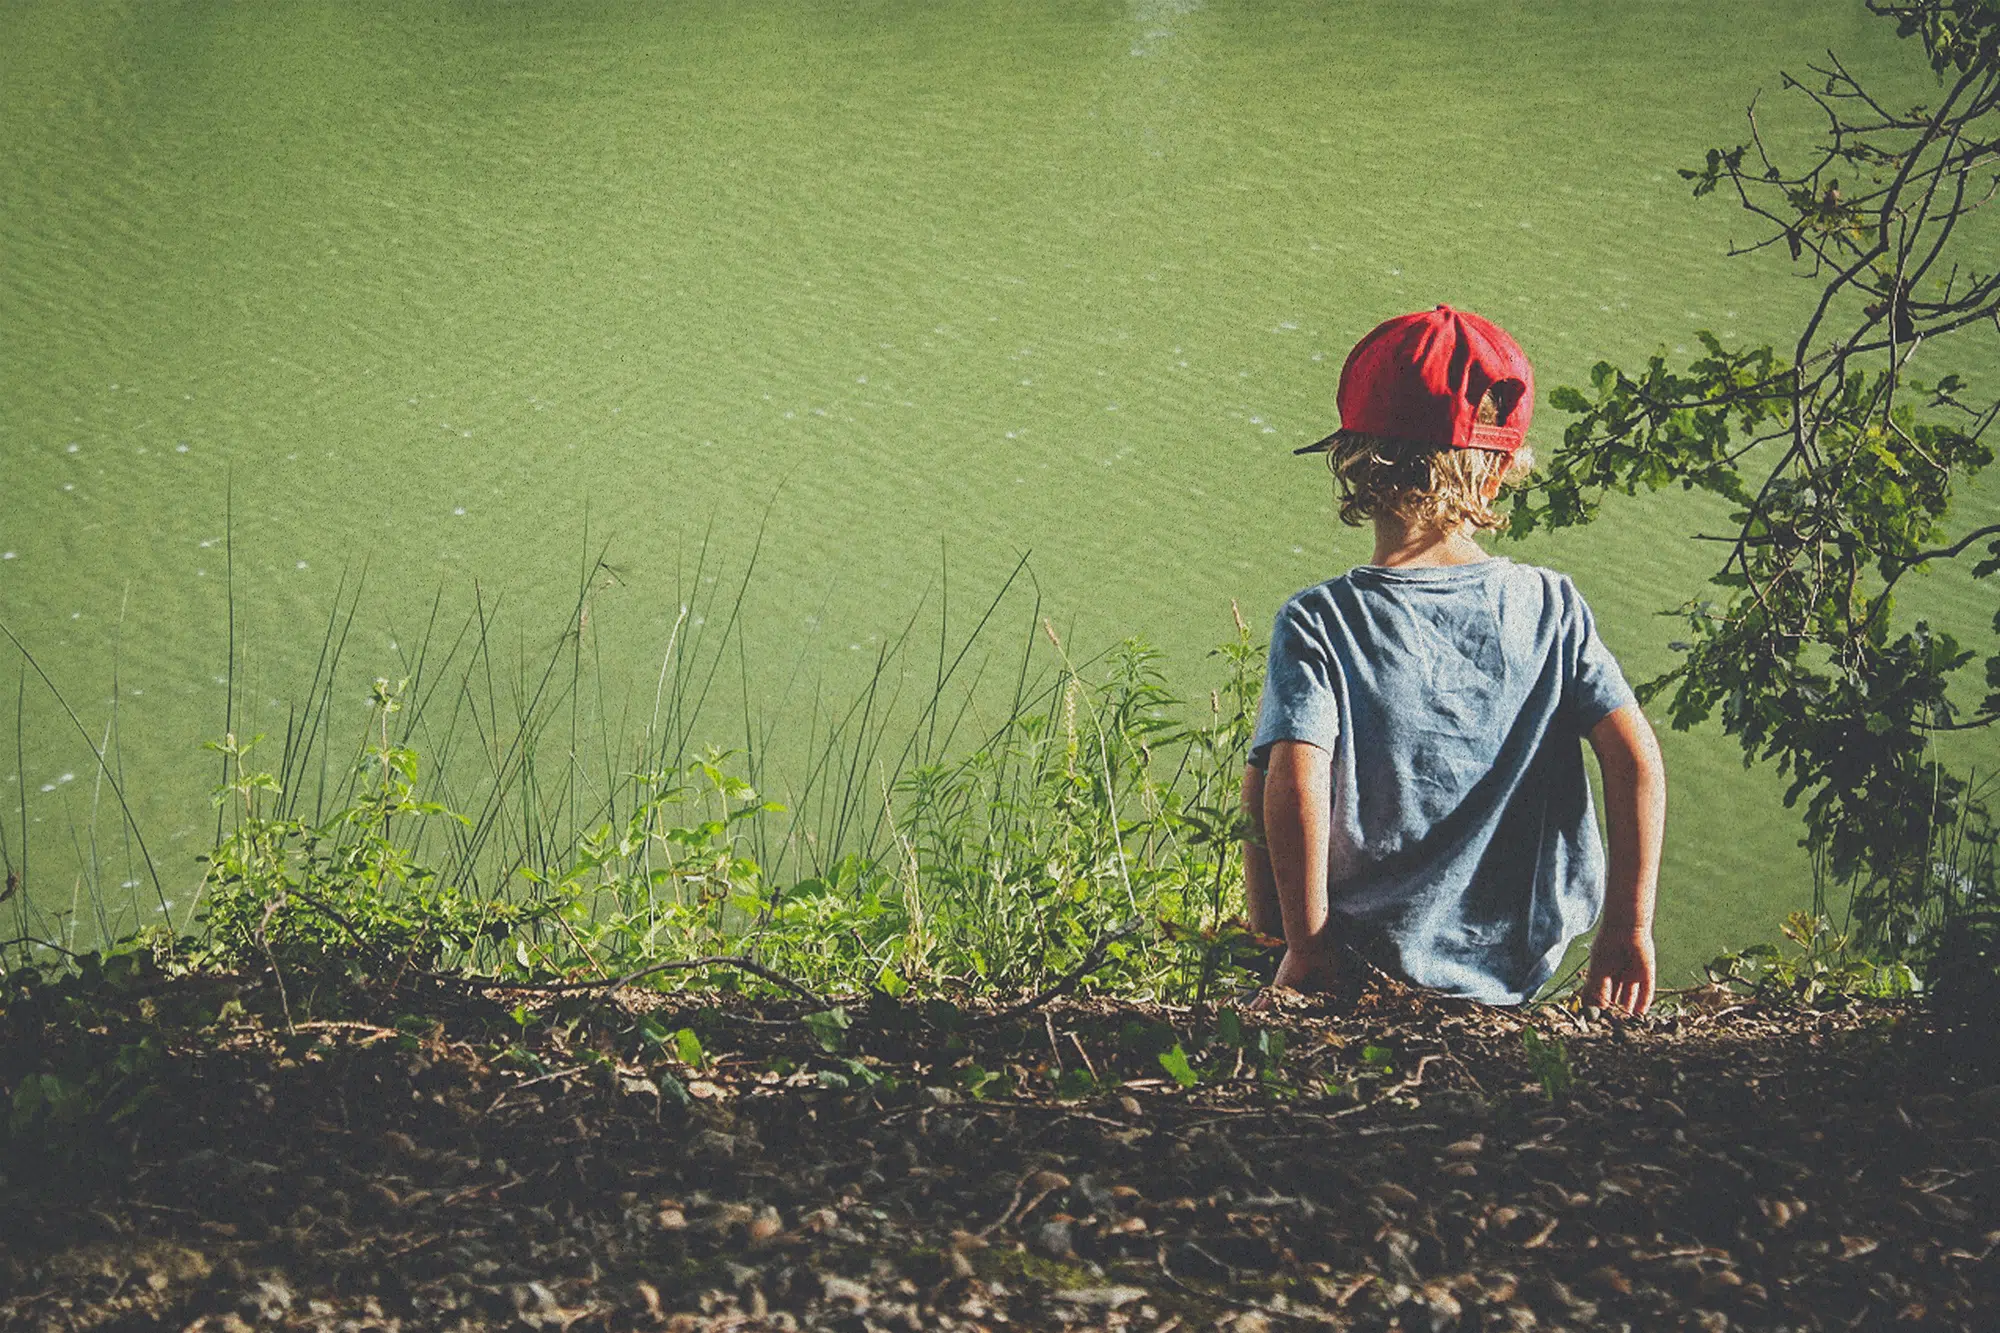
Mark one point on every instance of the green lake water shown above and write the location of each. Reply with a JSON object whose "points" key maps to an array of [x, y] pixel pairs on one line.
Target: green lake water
{"points": [[428, 289]]}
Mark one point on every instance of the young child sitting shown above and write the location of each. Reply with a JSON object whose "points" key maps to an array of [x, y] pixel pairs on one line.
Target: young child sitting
{"points": [[1416, 790]]}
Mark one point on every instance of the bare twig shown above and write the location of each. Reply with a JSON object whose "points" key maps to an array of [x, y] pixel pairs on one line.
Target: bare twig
{"points": [[529, 1083], [737, 961]]}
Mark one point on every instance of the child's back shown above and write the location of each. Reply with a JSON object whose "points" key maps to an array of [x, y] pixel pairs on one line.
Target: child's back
{"points": [[1451, 700], [1422, 716]]}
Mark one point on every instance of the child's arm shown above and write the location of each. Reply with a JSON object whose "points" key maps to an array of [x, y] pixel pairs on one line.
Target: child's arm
{"points": [[1298, 801], [1260, 893], [1621, 974]]}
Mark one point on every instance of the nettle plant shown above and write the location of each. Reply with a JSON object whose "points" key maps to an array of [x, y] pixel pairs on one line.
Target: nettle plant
{"points": [[1841, 463]]}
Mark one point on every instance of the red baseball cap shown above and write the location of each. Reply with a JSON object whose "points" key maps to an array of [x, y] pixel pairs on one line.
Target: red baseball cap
{"points": [[1421, 377]]}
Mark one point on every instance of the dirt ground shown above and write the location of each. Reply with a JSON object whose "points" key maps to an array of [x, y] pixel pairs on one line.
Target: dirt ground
{"points": [[688, 1162]]}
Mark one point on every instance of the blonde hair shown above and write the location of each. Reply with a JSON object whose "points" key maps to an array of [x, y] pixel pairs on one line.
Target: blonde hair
{"points": [[1422, 483]]}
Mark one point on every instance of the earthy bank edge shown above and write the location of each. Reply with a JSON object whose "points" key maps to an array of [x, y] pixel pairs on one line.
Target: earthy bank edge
{"points": [[1725, 1166]]}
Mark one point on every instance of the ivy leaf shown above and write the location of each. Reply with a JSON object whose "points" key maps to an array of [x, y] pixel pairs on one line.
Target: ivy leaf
{"points": [[1174, 1060]]}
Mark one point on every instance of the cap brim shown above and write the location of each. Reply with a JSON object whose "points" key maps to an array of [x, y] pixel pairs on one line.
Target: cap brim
{"points": [[1318, 448]]}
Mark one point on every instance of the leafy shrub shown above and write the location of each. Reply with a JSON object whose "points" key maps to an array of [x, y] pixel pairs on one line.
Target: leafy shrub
{"points": [[1820, 966]]}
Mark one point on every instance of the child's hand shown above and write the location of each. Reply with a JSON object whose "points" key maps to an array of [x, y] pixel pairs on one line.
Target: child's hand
{"points": [[1316, 971], [1621, 971]]}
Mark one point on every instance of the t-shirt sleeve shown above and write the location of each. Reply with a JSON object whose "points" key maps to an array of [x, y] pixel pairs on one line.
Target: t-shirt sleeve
{"points": [[1596, 686], [1300, 702]]}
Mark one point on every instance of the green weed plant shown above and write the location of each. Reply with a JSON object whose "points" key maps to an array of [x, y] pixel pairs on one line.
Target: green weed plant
{"points": [[913, 852], [1822, 966]]}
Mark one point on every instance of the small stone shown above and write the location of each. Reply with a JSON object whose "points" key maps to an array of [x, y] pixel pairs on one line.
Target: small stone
{"points": [[1445, 1307], [1461, 1170], [728, 1217], [1470, 1146], [1782, 1212], [671, 1219], [1394, 1195], [765, 1226], [1055, 1238], [837, 1288]]}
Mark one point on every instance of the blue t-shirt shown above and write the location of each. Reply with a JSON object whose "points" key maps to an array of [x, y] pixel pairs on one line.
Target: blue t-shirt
{"points": [[1453, 701]]}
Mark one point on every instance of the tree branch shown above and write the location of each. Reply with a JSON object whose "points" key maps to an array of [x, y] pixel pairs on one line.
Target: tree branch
{"points": [[1957, 548]]}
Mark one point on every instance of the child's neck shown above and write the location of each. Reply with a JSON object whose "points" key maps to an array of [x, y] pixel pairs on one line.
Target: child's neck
{"points": [[1420, 545]]}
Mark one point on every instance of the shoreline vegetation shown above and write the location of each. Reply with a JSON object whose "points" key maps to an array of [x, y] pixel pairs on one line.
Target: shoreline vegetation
{"points": [[460, 1035], [985, 810]]}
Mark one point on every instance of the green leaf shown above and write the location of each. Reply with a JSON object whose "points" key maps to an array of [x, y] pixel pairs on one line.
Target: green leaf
{"points": [[828, 1027], [1271, 1047], [860, 1073], [1549, 1059], [976, 1080], [1075, 1083], [687, 1049], [673, 1089], [1174, 1060], [1229, 1029]]}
